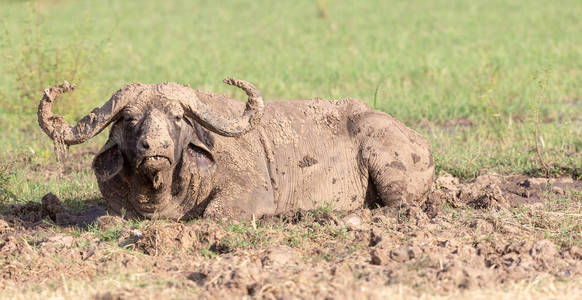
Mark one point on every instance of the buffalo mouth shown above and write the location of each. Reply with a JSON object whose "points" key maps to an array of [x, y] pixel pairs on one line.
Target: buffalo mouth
{"points": [[155, 161], [152, 167]]}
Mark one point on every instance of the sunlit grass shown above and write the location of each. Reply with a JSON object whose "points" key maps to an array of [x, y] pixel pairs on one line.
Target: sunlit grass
{"points": [[509, 69]]}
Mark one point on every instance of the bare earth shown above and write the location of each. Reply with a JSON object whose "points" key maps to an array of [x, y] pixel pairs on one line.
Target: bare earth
{"points": [[496, 236]]}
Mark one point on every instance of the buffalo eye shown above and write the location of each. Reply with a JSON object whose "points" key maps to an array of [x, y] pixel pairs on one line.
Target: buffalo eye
{"points": [[131, 120]]}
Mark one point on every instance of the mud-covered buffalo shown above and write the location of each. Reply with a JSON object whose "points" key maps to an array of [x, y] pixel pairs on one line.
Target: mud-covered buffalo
{"points": [[178, 153]]}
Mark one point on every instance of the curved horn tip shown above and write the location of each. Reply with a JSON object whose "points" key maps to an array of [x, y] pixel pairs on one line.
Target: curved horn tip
{"points": [[68, 85], [248, 87], [230, 81], [65, 86], [237, 82], [55, 91]]}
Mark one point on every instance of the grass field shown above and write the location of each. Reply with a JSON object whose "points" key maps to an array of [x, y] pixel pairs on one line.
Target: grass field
{"points": [[506, 69], [494, 85]]}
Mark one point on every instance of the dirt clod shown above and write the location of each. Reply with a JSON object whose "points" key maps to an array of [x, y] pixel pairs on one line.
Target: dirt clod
{"points": [[379, 257], [52, 206], [109, 222], [576, 252], [355, 223], [400, 254], [166, 238], [543, 250], [199, 278], [489, 196], [4, 226], [281, 256]]}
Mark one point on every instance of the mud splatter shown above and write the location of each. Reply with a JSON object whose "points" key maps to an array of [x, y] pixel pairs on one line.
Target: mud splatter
{"points": [[307, 161]]}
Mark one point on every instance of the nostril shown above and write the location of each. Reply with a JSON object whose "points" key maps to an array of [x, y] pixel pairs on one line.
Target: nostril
{"points": [[145, 145], [165, 146]]}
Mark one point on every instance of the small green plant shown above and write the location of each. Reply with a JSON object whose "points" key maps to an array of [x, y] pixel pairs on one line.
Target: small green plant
{"points": [[38, 62], [231, 243], [6, 195], [340, 233], [538, 138], [238, 227], [376, 91], [208, 253], [293, 241], [324, 209], [108, 234], [242, 235]]}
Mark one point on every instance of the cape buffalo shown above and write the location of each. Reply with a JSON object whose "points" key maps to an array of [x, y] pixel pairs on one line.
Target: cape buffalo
{"points": [[174, 152]]}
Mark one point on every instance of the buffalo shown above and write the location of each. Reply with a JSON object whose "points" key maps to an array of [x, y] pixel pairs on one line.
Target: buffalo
{"points": [[178, 153]]}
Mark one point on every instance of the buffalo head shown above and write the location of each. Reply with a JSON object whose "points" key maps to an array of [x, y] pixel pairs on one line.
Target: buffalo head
{"points": [[157, 148]]}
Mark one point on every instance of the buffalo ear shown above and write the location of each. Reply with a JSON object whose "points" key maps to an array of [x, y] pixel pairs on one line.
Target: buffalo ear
{"points": [[108, 162], [202, 157]]}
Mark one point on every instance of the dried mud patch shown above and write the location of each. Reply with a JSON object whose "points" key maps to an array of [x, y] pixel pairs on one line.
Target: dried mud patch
{"points": [[487, 234]]}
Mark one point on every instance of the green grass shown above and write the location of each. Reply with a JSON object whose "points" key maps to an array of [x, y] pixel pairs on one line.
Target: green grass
{"points": [[512, 68]]}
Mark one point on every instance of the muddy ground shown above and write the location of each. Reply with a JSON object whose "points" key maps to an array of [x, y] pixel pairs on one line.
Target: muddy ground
{"points": [[490, 234]]}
